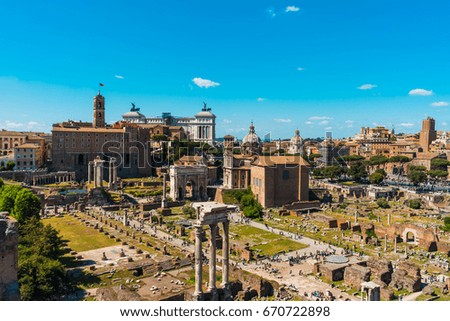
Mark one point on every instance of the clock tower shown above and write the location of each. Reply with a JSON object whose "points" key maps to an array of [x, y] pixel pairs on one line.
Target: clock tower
{"points": [[99, 111]]}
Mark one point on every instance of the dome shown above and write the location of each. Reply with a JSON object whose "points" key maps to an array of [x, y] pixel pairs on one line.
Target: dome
{"points": [[251, 137], [205, 113], [133, 114], [296, 140]]}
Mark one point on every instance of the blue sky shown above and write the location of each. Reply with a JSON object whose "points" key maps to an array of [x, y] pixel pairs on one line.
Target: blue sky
{"points": [[315, 65]]}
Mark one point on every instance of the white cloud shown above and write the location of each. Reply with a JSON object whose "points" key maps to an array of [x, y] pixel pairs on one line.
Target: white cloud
{"points": [[324, 122], [300, 68], [420, 92], [260, 99], [406, 125], [439, 104], [309, 122], [11, 124], [444, 124], [119, 77], [367, 87], [282, 120], [205, 83], [349, 121], [227, 121], [292, 9], [328, 128], [319, 118]]}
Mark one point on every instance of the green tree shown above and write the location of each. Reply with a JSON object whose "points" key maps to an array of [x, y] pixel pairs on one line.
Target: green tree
{"points": [[250, 206], [399, 159], [1, 183], [439, 163], [446, 224], [10, 166], [383, 203], [414, 204], [332, 172], [378, 159], [41, 274], [416, 177], [417, 168], [7, 197], [26, 205], [40, 239], [437, 173], [41, 278], [189, 211], [376, 178], [357, 171]]}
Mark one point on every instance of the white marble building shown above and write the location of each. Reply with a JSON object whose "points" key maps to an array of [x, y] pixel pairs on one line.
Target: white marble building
{"points": [[200, 128]]}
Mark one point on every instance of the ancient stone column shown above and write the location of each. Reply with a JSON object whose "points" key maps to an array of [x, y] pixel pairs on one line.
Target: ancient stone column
{"points": [[356, 217], [110, 174], [114, 172], [395, 244], [164, 198], [198, 293], [212, 262], [226, 259], [125, 218], [385, 242], [389, 218], [98, 172]]}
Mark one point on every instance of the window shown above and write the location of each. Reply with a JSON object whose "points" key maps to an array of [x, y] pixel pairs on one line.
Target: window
{"points": [[285, 174]]}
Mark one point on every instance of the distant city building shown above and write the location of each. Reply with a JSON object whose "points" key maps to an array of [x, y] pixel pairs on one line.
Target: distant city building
{"points": [[200, 128], [251, 143], [296, 144], [274, 180], [427, 134], [280, 180], [29, 156], [11, 141], [75, 144]]}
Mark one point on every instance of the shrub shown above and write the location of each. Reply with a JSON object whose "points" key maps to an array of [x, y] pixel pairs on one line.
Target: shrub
{"points": [[414, 204], [383, 203]]}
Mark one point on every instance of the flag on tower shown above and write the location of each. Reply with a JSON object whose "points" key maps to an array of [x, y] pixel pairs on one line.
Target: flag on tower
{"points": [[101, 85]]}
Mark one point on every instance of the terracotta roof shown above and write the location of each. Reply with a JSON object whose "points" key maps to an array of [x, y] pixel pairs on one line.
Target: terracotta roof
{"points": [[191, 158], [427, 155], [279, 160], [29, 145], [87, 130]]}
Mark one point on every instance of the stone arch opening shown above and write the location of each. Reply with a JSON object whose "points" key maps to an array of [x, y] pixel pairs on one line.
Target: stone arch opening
{"points": [[80, 159], [190, 190], [410, 237]]}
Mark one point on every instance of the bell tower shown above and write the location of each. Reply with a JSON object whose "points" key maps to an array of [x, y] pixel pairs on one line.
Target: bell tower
{"points": [[99, 111]]}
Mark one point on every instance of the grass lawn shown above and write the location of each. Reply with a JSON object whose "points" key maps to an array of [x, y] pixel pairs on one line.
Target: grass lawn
{"points": [[80, 237], [264, 242]]}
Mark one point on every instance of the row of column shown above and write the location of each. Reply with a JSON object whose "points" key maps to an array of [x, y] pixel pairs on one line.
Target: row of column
{"points": [[98, 165], [204, 132], [53, 178], [198, 294]]}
